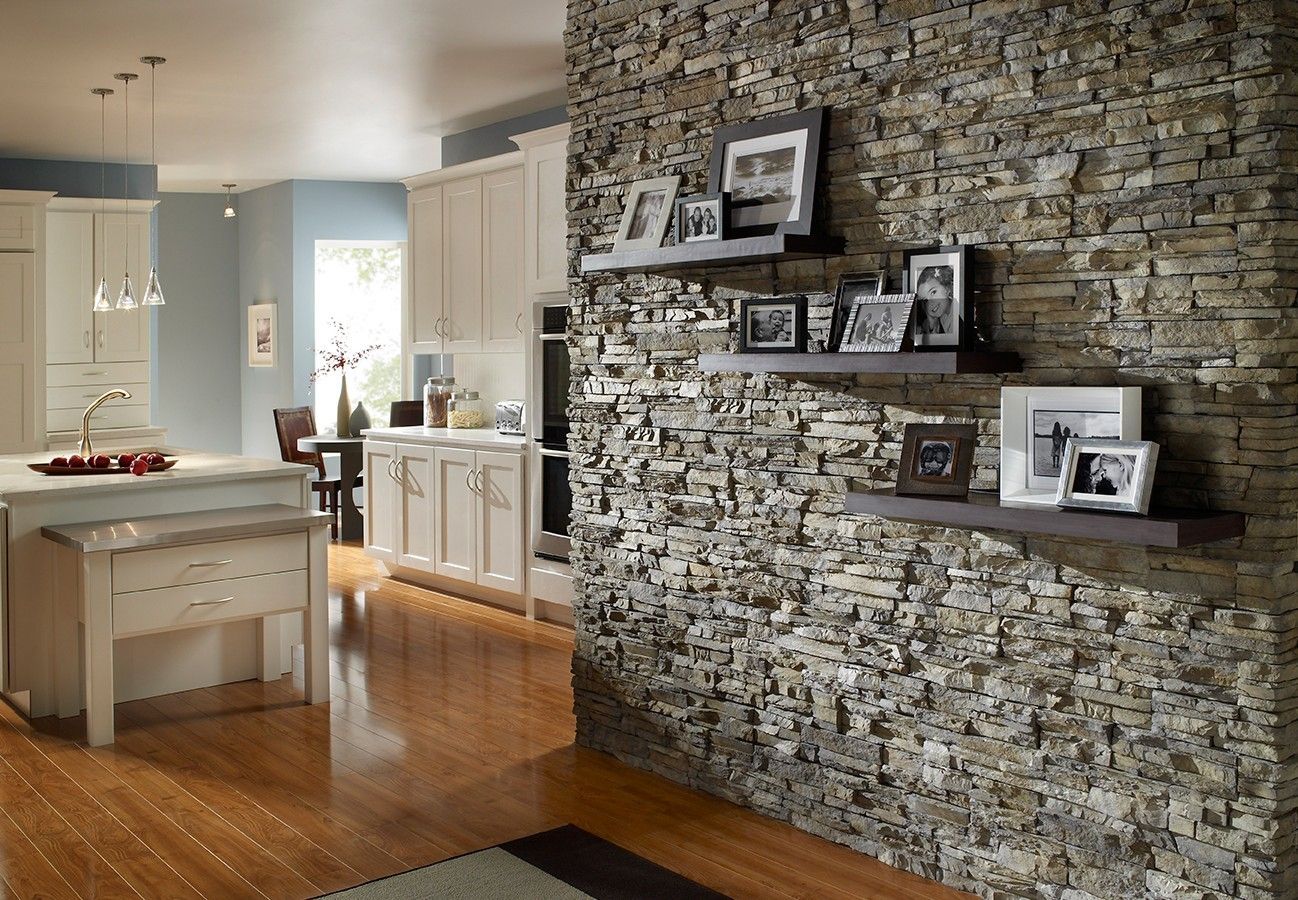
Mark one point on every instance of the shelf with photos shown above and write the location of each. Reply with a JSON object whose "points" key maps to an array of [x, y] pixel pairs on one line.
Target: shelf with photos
{"points": [[1072, 464]]}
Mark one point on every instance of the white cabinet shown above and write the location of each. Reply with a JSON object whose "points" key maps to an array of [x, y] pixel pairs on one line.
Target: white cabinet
{"points": [[545, 240], [455, 553], [502, 262], [69, 284], [425, 275], [18, 352], [462, 265], [380, 500], [123, 335], [416, 517], [500, 551], [18, 225]]}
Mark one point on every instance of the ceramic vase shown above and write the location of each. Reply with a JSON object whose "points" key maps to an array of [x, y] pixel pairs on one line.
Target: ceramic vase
{"points": [[344, 410], [360, 419]]}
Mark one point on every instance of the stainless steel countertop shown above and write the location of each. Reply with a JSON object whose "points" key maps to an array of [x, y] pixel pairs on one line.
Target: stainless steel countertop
{"points": [[184, 528]]}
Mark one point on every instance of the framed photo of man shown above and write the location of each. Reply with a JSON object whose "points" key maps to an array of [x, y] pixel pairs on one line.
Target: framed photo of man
{"points": [[941, 278]]}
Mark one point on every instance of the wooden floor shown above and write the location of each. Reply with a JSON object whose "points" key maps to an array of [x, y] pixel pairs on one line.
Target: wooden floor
{"points": [[450, 729]]}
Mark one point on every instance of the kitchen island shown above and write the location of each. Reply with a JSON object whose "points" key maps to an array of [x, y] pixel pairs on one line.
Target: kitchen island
{"points": [[151, 664]]}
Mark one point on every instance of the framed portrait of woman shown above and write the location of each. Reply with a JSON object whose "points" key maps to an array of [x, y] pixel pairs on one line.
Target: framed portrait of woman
{"points": [[941, 278]]}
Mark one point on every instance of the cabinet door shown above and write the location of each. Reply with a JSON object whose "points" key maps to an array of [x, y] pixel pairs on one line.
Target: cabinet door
{"points": [[502, 261], [417, 516], [380, 501], [69, 286], [547, 219], [18, 354], [426, 274], [17, 227], [455, 549], [462, 266], [500, 521], [123, 335]]}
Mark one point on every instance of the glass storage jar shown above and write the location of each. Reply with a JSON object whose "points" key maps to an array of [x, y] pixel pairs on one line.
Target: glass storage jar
{"points": [[464, 410], [436, 395]]}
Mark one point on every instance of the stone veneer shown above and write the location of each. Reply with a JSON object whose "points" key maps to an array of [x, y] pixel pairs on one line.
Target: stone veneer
{"points": [[1009, 714]]}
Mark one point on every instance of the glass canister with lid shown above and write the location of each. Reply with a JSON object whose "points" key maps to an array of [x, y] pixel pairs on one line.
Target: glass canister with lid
{"points": [[464, 410], [437, 394]]}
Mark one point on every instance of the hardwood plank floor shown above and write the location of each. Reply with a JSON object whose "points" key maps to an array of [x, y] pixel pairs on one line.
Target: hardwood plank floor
{"points": [[449, 729]]}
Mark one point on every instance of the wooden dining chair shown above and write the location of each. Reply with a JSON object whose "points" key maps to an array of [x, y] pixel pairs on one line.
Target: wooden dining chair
{"points": [[299, 422], [405, 413]]}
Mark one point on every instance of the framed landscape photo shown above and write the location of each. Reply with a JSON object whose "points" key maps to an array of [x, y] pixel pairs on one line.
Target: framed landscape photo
{"points": [[773, 325], [851, 288], [941, 278], [648, 209], [769, 168], [1037, 423], [262, 334], [877, 324], [937, 459], [1112, 475], [702, 217]]}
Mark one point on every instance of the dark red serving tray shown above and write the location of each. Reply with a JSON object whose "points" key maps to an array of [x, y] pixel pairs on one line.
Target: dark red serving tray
{"points": [[114, 469]]}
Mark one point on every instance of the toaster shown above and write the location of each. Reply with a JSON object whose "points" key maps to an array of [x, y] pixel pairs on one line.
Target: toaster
{"points": [[511, 417]]}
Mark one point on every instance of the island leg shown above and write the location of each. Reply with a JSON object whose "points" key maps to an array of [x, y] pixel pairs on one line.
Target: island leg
{"points": [[316, 617], [349, 466], [67, 642], [97, 613]]}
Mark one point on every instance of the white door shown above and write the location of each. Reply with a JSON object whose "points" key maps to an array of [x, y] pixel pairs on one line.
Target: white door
{"points": [[418, 507], [123, 335], [462, 266], [69, 286], [502, 261], [425, 276], [380, 500], [500, 521], [455, 546], [547, 219], [18, 353]]}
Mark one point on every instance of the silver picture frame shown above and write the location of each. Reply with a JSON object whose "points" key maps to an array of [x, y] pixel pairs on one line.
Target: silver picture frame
{"points": [[649, 207], [1110, 475]]}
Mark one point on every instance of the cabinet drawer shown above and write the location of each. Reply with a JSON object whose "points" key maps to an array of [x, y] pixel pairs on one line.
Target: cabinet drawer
{"points": [[78, 397], [113, 414], [107, 374], [142, 570], [17, 227], [163, 609]]}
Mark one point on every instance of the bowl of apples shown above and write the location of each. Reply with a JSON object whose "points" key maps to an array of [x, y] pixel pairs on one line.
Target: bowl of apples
{"points": [[141, 463]]}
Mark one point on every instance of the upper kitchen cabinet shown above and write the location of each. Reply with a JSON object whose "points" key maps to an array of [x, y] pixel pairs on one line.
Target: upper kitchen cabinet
{"points": [[545, 228], [22, 319]]}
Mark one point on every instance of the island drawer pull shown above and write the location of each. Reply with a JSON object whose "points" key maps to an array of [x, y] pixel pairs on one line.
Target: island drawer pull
{"points": [[88, 374], [211, 602], [203, 565]]}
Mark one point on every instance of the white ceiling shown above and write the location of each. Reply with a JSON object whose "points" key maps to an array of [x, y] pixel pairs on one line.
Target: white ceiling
{"points": [[258, 91]]}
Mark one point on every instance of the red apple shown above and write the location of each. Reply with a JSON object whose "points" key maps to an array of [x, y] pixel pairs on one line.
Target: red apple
{"points": [[139, 467], [125, 460], [100, 461], [76, 462], [156, 459], [60, 462]]}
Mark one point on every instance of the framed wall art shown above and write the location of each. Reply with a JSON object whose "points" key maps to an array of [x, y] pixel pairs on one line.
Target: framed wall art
{"points": [[769, 168], [851, 288], [702, 217], [648, 209], [262, 335], [937, 459], [773, 325], [1037, 422], [1117, 476], [941, 278], [877, 324]]}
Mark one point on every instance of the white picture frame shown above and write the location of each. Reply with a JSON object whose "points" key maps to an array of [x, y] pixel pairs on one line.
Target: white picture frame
{"points": [[261, 346], [648, 210], [1030, 470], [1115, 476]]}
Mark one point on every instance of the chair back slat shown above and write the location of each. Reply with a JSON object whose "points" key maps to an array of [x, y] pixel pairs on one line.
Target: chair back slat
{"points": [[405, 413], [290, 425]]}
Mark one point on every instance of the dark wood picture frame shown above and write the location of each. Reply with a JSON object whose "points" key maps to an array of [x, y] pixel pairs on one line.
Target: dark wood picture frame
{"points": [[799, 342], [962, 296], [813, 122], [960, 439], [842, 311], [722, 199]]}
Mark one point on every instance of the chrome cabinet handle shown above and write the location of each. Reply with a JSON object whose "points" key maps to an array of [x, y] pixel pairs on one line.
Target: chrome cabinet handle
{"points": [[208, 565], [391, 463], [468, 479], [85, 337], [518, 322], [477, 482], [101, 343], [89, 374], [211, 602]]}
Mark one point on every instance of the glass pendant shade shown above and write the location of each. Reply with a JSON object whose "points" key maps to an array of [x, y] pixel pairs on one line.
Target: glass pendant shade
{"points": [[153, 290], [102, 303], [126, 299]]}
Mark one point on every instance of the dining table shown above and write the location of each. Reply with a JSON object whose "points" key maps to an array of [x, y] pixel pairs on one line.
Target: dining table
{"points": [[351, 457]]}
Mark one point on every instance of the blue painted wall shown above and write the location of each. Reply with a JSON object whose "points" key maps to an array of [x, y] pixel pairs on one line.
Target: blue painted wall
{"points": [[73, 178], [493, 139]]}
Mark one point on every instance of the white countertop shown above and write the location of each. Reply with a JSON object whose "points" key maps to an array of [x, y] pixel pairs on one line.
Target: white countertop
{"points": [[193, 466], [477, 438]]}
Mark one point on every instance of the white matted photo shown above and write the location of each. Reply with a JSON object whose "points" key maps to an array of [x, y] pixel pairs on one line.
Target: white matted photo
{"points": [[941, 278], [648, 209], [764, 178], [1037, 423], [1107, 474], [262, 334], [773, 325]]}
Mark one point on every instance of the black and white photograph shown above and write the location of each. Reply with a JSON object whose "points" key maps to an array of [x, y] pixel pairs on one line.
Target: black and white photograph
{"points": [[1051, 429], [937, 459], [649, 206], [877, 324], [941, 280], [852, 287], [261, 335], [774, 325], [1107, 474], [769, 168], [702, 218]]}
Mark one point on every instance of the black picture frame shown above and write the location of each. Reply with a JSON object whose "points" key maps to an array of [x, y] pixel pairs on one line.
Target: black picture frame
{"points": [[810, 121], [960, 257], [798, 341], [959, 441], [722, 201], [853, 282]]}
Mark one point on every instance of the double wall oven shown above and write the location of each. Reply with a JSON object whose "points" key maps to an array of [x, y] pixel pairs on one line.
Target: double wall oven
{"points": [[552, 495]]}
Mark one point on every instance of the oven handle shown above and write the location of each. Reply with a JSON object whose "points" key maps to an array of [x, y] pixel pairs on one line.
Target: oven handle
{"points": [[551, 336], [561, 454]]}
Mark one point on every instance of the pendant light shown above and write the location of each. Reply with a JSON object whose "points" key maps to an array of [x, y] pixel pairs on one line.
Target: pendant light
{"points": [[229, 204], [126, 297], [153, 290], [101, 303]]}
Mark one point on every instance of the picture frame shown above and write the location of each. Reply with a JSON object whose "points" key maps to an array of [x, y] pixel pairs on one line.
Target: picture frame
{"points": [[649, 206], [877, 324], [851, 287], [773, 325], [1111, 475], [1032, 449], [769, 167], [937, 459], [263, 335], [941, 278], [702, 217]]}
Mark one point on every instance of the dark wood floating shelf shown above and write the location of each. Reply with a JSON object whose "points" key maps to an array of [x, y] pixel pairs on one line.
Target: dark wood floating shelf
{"points": [[983, 510], [954, 362], [743, 251]]}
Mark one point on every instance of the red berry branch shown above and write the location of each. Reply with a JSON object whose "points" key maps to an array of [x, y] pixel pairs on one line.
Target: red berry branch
{"points": [[337, 357]]}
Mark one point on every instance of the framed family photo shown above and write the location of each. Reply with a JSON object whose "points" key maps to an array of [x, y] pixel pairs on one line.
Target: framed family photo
{"points": [[937, 459], [773, 325], [648, 209], [941, 278], [769, 168], [877, 324], [262, 333], [702, 217], [852, 287], [1112, 475]]}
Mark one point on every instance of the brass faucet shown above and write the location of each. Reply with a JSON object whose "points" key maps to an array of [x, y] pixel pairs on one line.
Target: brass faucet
{"points": [[86, 449]]}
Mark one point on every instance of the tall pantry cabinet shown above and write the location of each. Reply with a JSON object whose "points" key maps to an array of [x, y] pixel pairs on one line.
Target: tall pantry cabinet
{"points": [[22, 319]]}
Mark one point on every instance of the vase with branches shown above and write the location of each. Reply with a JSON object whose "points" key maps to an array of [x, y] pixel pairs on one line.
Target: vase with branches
{"points": [[339, 357]]}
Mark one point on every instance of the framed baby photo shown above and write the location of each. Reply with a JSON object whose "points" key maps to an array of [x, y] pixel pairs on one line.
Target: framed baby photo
{"points": [[702, 217], [773, 325], [648, 209], [941, 278], [877, 324], [1111, 475], [852, 287], [937, 459]]}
